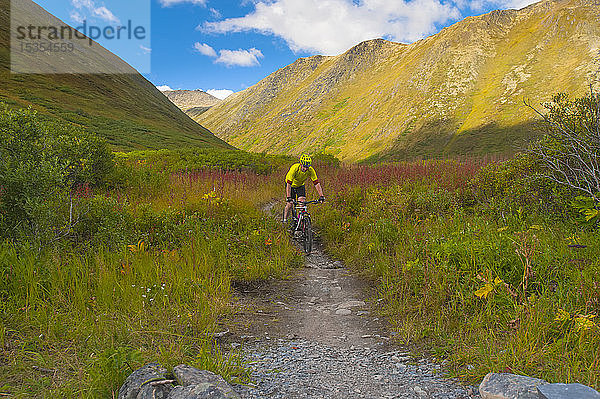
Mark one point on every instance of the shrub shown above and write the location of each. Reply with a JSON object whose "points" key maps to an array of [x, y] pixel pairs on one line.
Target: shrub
{"points": [[41, 165], [516, 183], [569, 154], [323, 159]]}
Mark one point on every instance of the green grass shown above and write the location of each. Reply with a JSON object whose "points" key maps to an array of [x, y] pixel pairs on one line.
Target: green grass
{"points": [[145, 275], [472, 278]]}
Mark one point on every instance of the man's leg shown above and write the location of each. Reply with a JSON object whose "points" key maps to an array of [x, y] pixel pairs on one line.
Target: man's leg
{"points": [[288, 208], [288, 205]]}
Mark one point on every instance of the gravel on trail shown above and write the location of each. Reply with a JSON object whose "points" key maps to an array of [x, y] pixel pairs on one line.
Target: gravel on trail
{"points": [[313, 335], [298, 369]]}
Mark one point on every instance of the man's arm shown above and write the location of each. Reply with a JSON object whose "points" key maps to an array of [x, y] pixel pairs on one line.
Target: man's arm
{"points": [[288, 190], [319, 189], [315, 179]]}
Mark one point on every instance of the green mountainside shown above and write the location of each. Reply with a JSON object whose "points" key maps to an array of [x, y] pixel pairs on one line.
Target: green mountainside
{"points": [[125, 109], [460, 91]]}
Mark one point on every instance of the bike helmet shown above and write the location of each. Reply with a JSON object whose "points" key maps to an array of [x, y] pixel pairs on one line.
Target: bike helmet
{"points": [[305, 160]]}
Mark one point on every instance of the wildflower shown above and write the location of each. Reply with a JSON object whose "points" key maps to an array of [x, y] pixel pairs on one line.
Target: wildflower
{"points": [[268, 242], [572, 239], [484, 291], [562, 316], [584, 322], [140, 247]]}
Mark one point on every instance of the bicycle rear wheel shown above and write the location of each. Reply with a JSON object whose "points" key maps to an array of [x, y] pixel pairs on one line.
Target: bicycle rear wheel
{"points": [[307, 236]]}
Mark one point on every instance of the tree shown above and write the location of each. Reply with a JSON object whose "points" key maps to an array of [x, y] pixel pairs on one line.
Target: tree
{"points": [[569, 154]]}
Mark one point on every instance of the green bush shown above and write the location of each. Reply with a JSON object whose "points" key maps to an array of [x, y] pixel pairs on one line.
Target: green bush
{"points": [[516, 183], [322, 159], [41, 164], [103, 222], [190, 159]]}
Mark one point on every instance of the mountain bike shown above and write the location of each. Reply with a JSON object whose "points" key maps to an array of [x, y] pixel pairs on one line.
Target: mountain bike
{"points": [[301, 221]]}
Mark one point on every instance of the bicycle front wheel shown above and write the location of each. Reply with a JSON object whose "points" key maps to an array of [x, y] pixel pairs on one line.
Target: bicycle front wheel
{"points": [[308, 236]]}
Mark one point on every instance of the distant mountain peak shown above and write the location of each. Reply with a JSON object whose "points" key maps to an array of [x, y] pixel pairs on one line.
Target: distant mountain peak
{"points": [[188, 99]]}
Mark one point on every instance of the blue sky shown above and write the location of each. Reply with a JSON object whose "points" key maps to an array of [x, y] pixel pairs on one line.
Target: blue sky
{"points": [[224, 46]]}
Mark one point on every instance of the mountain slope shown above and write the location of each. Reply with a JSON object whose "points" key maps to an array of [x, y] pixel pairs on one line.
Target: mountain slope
{"points": [[191, 99], [460, 91], [124, 108]]}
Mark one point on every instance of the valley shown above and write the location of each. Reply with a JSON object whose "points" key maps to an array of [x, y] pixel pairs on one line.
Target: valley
{"points": [[457, 236]]}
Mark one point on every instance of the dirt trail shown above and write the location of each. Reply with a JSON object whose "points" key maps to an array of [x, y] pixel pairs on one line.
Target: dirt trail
{"points": [[321, 302], [314, 335]]}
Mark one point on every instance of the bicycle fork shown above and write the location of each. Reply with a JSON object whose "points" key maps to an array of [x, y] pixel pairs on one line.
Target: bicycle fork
{"points": [[297, 228]]}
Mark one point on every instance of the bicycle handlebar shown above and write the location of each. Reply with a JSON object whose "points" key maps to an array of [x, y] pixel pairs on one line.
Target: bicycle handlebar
{"points": [[304, 203], [307, 202]]}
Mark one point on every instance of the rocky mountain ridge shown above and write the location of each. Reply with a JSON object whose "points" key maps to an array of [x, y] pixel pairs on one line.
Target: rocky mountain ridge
{"points": [[191, 99], [460, 91]]}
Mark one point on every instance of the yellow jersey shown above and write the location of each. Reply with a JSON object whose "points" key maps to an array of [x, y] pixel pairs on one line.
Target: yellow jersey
{"points": [[296, 177]]}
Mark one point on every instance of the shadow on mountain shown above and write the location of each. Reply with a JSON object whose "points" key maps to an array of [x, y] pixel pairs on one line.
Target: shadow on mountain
{"points": [[197, 111], [439, 139]]}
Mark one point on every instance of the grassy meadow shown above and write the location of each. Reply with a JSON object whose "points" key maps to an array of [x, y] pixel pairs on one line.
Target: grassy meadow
{"points": [[111, 260], [98, 278], [474, 262], [146, 276]]}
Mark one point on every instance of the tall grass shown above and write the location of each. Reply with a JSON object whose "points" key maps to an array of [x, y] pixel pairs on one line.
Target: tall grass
{"points": [[512, 290], [145, 275]]}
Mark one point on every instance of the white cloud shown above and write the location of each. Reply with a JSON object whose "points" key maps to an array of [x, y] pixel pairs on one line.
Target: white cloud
{"points": [[333, 26], [106, 14], [220, 93], [77, 17], [83, 3], [205, 49], [164, 88], [145, 50], [101, 12], [168, 3], [244, 58]]}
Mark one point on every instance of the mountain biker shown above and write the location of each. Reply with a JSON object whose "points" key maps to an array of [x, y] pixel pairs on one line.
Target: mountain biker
{"points": [[294, 183]]}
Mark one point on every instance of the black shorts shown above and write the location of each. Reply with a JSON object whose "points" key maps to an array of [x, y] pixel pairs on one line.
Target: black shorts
{"points": [[299, 191]]}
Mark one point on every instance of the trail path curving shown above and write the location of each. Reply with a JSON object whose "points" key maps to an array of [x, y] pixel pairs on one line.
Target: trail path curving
{"points": [[313, 335]]}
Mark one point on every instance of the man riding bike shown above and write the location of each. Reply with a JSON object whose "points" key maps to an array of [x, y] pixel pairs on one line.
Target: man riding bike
{"points": [[294, 183]]}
